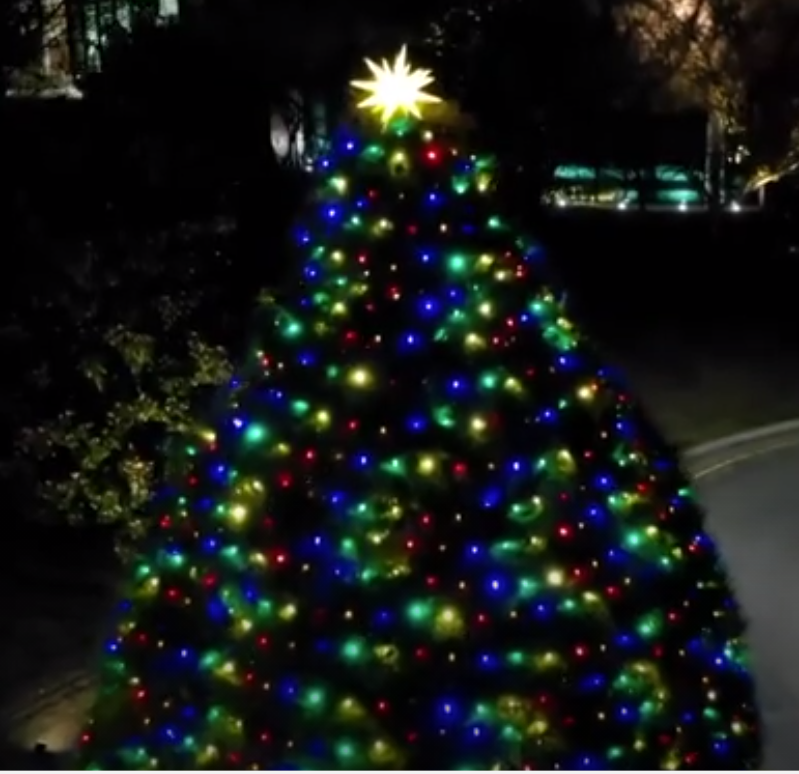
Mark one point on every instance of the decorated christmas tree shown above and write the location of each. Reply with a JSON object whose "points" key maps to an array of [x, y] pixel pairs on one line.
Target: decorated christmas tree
{"points": [[430, 530]]}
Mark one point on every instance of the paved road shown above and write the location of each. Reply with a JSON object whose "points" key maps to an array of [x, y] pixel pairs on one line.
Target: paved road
{"points": [[752, 496]]}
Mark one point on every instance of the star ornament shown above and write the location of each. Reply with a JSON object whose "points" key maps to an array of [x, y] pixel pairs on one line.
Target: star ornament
{"points": [[395, 89]]}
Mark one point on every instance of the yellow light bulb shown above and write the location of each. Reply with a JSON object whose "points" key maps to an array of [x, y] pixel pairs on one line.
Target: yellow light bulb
{"points": [[360, 377], [427, 465], [473, 341], [555, 578], [449, 623], [478, 424], [538, 728]]}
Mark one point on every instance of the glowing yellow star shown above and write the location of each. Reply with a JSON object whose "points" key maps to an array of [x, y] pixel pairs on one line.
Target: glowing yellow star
{"points": [[396, 89]]}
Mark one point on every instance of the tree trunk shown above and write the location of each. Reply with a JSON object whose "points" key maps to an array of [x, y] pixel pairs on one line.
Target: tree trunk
{"points": [[715, 161]]}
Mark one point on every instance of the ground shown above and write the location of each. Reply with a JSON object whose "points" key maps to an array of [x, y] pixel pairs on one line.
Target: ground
{"points": [[697, 394], [698, 313], [57, 590], [752, 505]]}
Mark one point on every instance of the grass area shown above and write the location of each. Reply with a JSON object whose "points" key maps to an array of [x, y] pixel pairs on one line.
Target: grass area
{"points": [[698, 392]]}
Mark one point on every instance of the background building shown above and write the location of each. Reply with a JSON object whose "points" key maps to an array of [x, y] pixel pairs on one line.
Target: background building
{"points": [[69, 37]]}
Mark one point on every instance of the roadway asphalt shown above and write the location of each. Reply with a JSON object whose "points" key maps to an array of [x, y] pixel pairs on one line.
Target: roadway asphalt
{"points": [[752, 498]]}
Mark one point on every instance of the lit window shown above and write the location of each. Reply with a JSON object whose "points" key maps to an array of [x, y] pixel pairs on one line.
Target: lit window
{"points": [[168, 8]]}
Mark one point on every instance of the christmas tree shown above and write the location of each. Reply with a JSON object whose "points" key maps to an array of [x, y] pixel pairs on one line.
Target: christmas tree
{"points": [[430, 530]]}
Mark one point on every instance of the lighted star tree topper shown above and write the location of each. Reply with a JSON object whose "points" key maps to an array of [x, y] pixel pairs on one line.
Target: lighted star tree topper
{"points": [[396, 89]]}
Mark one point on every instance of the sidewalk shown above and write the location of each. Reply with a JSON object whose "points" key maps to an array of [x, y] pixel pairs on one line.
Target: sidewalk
{"points": [[58, 589]]}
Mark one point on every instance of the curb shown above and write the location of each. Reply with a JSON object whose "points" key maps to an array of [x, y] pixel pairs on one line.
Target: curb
{"points": [[738, 439]]}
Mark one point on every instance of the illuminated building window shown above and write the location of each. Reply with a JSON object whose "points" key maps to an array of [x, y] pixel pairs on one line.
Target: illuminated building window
{"points": [[94, 23], [169, 8]]}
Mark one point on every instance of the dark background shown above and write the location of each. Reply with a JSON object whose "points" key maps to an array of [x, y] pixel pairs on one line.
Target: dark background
{"points": [[161, 185]]}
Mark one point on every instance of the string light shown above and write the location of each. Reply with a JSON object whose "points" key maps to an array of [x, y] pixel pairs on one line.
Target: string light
{"points": [[432, 531]]}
